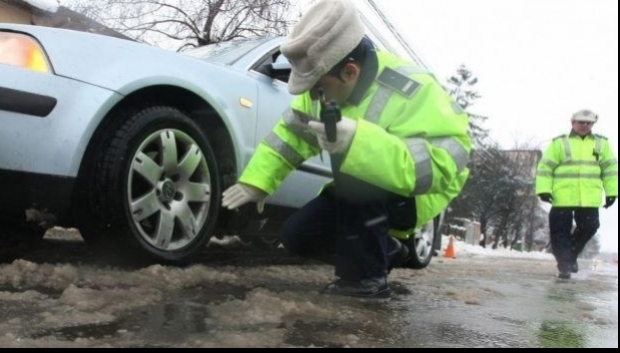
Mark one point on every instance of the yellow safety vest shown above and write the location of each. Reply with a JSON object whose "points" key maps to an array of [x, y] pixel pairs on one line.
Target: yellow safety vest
{"points": [[576, 171], [411, 141]]}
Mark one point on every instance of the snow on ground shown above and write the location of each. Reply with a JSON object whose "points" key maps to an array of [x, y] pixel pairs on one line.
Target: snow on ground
{"points": [[475, 250], [467, 250], [39, 302]]}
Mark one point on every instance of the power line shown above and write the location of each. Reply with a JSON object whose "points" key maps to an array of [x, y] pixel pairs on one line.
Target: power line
{"points": [[397, 34]]}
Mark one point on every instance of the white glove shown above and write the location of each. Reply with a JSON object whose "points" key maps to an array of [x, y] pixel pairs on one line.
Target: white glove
{"points": [[345, 130], [240, 194]]}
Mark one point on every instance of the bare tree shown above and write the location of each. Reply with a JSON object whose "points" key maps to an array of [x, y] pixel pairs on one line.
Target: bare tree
{"points": [[181, 24], [488, 190], [500, 195], [500, 190], [520, 214]]}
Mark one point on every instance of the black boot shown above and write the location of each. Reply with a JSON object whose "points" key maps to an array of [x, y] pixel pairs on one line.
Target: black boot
{"points": [[376, 287], [564, 275], [565, 270], [575, 267]]}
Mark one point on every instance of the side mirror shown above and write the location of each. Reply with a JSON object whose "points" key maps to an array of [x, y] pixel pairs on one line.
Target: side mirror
{"points": [[281, 69], [281, 66]]}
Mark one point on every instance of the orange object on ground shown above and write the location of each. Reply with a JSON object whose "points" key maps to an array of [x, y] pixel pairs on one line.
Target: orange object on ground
{"points": [[450, 250]]}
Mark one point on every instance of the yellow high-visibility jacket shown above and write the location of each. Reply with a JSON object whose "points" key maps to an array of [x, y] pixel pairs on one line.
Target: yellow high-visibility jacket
{"points": [[414, 145], [576, 171]]}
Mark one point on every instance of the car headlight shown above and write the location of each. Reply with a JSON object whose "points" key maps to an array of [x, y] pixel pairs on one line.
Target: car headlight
{"points": [[23, 51]]}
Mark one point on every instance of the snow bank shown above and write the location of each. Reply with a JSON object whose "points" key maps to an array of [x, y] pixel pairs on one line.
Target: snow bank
{"points": [[462, 249]]}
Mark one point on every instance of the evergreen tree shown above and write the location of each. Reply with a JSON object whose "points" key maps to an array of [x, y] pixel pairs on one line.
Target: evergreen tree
{"points": [[461, 88]]}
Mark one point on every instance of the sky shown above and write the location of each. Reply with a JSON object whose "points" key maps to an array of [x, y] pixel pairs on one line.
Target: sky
{"points": [[537, 63]]}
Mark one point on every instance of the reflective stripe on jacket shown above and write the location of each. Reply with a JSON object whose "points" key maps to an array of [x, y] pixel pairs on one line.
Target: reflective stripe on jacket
{"points": [[411, 146], [576, 171]]}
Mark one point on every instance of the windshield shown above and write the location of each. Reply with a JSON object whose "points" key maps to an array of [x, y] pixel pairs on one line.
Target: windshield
{"points": [[226, 52]]}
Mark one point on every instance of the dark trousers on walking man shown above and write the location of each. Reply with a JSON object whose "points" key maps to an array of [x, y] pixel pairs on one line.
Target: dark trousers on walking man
{"points": [[567, 243]]}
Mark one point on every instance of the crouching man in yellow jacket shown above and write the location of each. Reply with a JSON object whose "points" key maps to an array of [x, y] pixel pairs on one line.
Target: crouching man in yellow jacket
{"points": [[399, 158], [572, 175]]}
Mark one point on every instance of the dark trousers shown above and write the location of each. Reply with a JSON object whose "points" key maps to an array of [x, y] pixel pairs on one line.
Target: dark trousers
{"points": [[351, 233], [567, 243]]}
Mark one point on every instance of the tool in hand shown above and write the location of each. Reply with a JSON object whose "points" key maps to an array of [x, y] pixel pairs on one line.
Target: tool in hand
{"points": [[330, 115]]}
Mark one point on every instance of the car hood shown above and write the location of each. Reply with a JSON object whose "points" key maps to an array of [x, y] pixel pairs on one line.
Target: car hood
{"points": [[116, 64]]}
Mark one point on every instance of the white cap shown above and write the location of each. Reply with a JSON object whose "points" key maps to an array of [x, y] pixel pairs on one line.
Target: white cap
{"points": [[584, 115], [324, 36]]}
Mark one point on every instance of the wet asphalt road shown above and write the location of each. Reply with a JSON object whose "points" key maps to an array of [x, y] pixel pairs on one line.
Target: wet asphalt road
{"points": [[64, 294]]}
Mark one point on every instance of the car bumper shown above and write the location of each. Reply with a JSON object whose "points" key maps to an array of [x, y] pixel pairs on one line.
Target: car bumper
{"points": [[22, 191], [53, 144]]}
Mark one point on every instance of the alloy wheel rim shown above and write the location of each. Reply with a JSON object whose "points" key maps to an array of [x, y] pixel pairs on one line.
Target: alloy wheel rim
{"points": [[169, 189]]}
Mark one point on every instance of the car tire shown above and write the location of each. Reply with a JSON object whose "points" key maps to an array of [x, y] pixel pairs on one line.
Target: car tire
{"points": [[422, 245], [155, 185]]}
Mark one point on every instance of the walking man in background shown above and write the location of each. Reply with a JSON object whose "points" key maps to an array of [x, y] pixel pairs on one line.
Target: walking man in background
{"points": [[572, 174], [399, 153]]}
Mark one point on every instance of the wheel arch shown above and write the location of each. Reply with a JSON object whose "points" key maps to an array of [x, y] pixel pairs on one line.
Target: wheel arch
{"points": [[439, 221], [182, 99]]}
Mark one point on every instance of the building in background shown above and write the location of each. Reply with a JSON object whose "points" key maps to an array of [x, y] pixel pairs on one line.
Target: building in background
{"points": [[48, 13]]}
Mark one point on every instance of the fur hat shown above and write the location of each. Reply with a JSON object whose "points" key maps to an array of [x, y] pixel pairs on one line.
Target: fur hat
{"points": [[324, 36], [584, 115]]}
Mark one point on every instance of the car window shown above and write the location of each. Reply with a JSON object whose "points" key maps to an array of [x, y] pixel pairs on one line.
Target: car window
{"points": [[274, 65], [226, 52], [281, 67]]}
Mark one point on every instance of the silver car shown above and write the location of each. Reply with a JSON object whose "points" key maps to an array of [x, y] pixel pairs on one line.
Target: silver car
{"points": [[133, 144]]}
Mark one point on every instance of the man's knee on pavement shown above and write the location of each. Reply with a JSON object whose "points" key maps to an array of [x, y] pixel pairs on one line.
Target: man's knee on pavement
{"points": [[293, 242], [288, 240]]}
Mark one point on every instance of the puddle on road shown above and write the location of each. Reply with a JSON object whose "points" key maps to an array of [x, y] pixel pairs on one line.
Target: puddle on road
{"points": [[190, 312], [185, 318], [559, 334], [279, 306], [93, 331]]}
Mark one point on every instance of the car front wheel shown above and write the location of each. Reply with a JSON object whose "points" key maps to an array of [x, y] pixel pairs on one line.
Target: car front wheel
{"points": [[422, 246], [157, 183]]}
